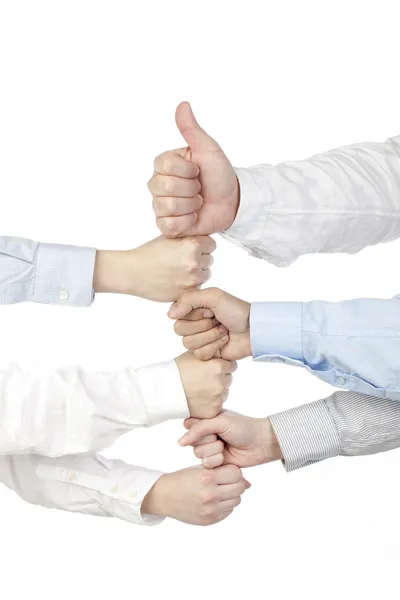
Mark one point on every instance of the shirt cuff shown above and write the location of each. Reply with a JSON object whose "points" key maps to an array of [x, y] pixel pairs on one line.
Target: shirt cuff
{"points": [[276, 330], [306, 434], [64, 275], [252, 202], [112, 486], [163, 392]]}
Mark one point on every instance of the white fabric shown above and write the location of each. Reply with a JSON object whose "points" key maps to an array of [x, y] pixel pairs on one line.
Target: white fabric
{"points": [[339, 201]]}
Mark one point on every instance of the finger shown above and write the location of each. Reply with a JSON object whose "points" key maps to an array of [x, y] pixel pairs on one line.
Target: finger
{"points": [[161, 185], [226, 505], [199, 313], [232, 490], [203, 276], [208, 439], [213, 461], [247, 484], [189, 301], [228, 379], [206, 261], [198, 340], [190, 421], [224, 515], [172, 227], [210, 351], [200, 429], [227, 473], [174, 163], [186, 328], [165, 206], [204, 450], [230, 366], [207, 244]]}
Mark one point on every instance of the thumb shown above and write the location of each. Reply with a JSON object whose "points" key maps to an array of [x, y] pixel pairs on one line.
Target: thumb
{"points": [[193, 134], [189, 301], [200, 430]]}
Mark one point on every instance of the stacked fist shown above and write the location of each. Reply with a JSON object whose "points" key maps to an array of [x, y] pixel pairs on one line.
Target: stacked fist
{"points": [[195, 194]]}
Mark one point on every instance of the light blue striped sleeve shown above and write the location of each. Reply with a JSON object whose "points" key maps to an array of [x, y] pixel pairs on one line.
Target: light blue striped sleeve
{"points": [[45, 273], [353, 345], [345, 424]]}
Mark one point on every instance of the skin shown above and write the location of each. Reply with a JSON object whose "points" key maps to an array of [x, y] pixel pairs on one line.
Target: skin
{"points": [[242, 441], [199, 316], [206, 384], [195, 189], [160, 270], [196, 495]]}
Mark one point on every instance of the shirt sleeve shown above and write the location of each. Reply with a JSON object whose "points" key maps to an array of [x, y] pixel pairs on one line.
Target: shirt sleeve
{"points": [[45, 273], [339, 201], [353, 345], [71, 411], [346, 424], [87, 483]]}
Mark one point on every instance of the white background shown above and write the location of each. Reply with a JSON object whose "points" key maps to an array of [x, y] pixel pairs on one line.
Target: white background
{"points": [[88, 91]]}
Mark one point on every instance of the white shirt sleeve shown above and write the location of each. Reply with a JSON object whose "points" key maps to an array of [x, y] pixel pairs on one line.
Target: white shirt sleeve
{"points": [[71, 411], [339, 201], [87, 483]]}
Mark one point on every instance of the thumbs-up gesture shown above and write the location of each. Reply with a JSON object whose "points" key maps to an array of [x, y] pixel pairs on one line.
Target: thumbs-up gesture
{"points": [[195, 189]]}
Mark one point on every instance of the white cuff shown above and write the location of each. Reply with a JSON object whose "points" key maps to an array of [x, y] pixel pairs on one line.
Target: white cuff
{"points": [[163, 393]]}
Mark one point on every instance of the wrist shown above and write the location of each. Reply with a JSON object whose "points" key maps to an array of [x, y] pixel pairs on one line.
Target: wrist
{"points": [[156, 500], [269, 441], [113, 271]]}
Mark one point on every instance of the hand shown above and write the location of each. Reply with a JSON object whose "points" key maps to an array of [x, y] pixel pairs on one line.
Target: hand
{"points": [[196, 496], [228, 333], [244, 441], [195, 189], [206, 384], [159, 270]]}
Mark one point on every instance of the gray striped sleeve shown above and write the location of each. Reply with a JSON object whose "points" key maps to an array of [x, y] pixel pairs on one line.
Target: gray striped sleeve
{"points": [[345, 423]]}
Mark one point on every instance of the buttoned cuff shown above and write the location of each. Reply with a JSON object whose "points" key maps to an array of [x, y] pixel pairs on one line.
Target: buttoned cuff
{"points": [[64, 275], [163, 392], [306, 434], [110, 486], [276, 330]]}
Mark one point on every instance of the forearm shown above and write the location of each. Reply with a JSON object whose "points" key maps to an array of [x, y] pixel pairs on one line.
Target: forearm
{"points": [[339, 201], [353, 344], [69, 410], [87, 483], [345, 423]]}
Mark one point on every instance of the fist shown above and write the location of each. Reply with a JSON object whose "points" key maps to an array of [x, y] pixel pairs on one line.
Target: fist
{"points": [[213, 323], [163, 269], [195, 189], [197, 496], [234, 439], [206, 384]]}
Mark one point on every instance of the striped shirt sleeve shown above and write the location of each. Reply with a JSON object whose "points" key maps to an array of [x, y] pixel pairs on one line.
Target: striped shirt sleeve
{"points": [[345, 423]]}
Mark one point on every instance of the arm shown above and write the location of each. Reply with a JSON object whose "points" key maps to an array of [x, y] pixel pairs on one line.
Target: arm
{"points": [[95, 485], [70, 411], [345, 424], [69, 275], [339, 201], [353, 344]]}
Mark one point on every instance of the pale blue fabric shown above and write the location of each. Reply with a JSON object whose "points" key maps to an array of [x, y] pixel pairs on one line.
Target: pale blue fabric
{"points": [[353, 345], [45, 273]]}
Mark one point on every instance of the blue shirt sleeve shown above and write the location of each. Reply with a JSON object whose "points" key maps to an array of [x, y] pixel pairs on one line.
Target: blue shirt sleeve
{"points": [[353, 344], [45, 273]]}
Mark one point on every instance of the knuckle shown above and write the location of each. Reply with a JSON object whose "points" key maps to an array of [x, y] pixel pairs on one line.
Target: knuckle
{"points": [[207, 477], [188, 343], [198, 452], [234, 471], [167, 164]]}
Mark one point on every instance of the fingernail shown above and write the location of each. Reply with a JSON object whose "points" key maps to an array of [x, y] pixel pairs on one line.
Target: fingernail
{"points": [[208, 314], [223, 329], [215, 321], [224, 338]]}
